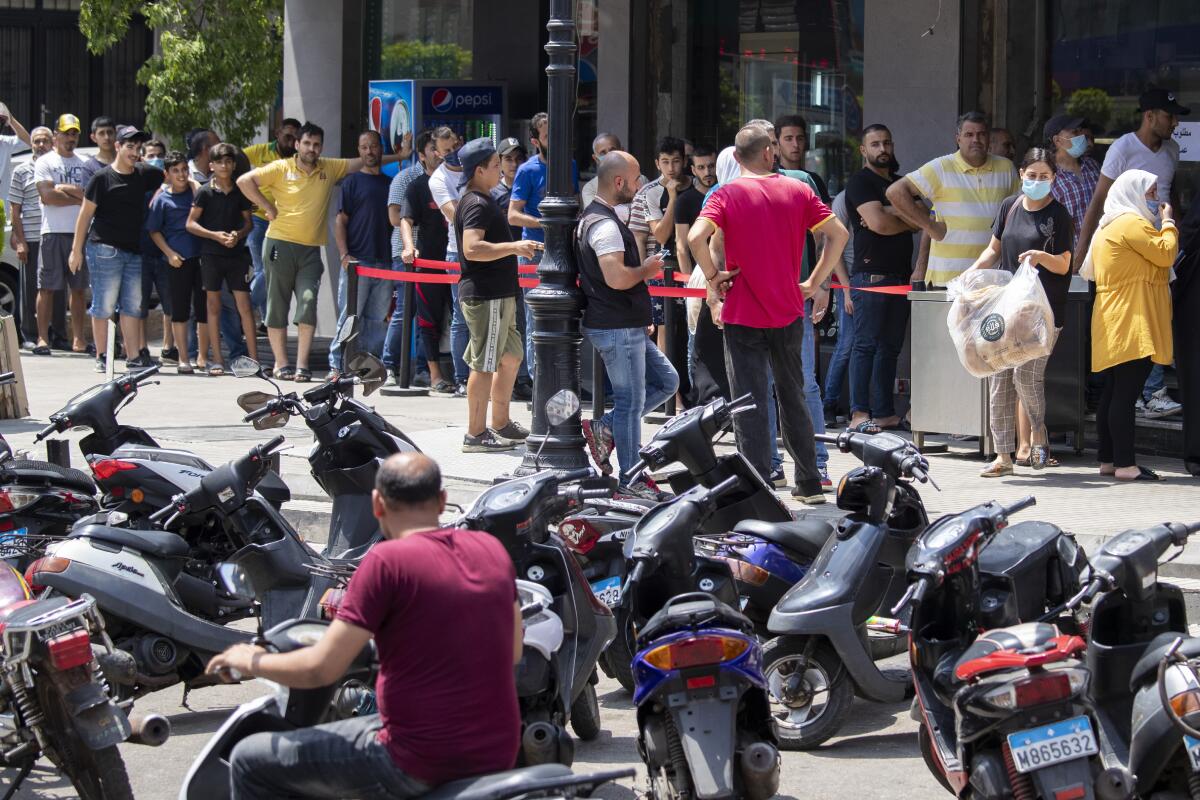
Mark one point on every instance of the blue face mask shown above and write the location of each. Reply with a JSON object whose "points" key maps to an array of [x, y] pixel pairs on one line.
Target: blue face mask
{"points": [[1035, 190], [1152, 205], [1079, 145], [155, 162]]}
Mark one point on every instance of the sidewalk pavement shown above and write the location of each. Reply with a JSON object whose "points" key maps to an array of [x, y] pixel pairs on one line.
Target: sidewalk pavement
{"points": [[198, 413]]}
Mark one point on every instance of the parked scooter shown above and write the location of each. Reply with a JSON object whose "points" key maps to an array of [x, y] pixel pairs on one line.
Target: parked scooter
{"points": [[291, 709], [703, 716], [829, 626], [984, 704], [350, 438], [1178, 685], [54, 701]]}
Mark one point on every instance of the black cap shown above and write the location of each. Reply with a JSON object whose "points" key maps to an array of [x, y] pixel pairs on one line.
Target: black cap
{"points": [[1155, 99], [473, 154], [510, 144], [1063, 122], [128, 133]]}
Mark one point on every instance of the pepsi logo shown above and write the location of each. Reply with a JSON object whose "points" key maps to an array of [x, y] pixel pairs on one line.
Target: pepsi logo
{"points": [[442, 100]]}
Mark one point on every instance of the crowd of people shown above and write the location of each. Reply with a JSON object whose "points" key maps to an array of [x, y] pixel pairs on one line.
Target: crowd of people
{"points": [[230, 241]]}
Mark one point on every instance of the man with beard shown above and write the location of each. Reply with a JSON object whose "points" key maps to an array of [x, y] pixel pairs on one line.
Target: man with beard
{"points": [[302, 187], [882, 257], [259, 155], [613, 278], [690, 201], [971, 182]]}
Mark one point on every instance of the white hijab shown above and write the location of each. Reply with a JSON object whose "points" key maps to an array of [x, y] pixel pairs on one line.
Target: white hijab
{"points": [[728, 169], [1127, 195]]}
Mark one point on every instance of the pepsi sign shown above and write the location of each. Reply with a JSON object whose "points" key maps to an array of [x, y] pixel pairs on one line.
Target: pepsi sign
{"points": [[462, 100]]}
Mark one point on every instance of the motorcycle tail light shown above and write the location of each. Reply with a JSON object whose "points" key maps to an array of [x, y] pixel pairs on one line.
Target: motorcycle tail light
{"points": [[69, 650], [696, 651], [745, 572], [105, 468], [16, 499], [1187, 702], [331, 601], [45, 564], [1038, 689], [579, 534]]}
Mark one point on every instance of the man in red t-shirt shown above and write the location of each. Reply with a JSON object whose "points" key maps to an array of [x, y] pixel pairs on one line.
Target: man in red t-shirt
{"points": [[764, 218], [442, 607]]}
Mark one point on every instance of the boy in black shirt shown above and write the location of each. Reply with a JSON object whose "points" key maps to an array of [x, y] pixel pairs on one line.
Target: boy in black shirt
{"points": [[220, 218], [110, 226], [488, 293]]}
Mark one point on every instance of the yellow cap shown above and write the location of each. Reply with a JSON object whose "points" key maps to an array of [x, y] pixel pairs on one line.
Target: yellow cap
{"points": [[67, 122]]}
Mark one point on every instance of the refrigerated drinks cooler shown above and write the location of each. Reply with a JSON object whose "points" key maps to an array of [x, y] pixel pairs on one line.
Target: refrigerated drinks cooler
{"points": [[472, 108]]}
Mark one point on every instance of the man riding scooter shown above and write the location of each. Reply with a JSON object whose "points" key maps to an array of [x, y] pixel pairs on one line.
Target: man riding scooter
{"points": [[432, 675]]}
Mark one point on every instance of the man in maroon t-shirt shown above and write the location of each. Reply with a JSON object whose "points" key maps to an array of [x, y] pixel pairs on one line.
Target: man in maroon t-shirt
{"points": [[765, 218], [442, 607]]}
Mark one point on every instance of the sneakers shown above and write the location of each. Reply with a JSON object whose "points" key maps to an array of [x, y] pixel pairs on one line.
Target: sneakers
{"points": [[809, 493], [1159, 405], [460, 390], [600, 443], [778, 478], [514, 432], [142, 361], [486, 442], [421, 380], [170, 357], [642, 489], [522, 391], [101, 364], [443, 388], [826, 483]]}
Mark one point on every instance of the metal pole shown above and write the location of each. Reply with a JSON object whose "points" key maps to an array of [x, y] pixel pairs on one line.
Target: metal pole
{"points": [[111, 352], [408, 296], [669, 327], [597, 385], [556, 302]]}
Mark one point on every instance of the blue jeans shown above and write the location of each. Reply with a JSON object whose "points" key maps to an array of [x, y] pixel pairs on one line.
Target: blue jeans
{"points": [[642, 379], [537, 259], [812, 389], [1156, 381], [836, 373], [460, 337], [231, 326], [392, 339], [258, 284], [116, 277], [880, 324], [374, 297], [338, 759]]}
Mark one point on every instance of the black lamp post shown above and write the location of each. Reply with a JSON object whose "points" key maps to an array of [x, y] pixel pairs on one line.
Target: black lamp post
{"points": [[556, 301]]}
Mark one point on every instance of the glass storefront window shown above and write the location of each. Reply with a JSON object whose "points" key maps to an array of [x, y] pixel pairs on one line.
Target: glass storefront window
{"points": [[426, 39]]}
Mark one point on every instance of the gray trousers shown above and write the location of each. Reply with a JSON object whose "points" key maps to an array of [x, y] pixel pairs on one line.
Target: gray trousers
{"points": [[1027, 382]]}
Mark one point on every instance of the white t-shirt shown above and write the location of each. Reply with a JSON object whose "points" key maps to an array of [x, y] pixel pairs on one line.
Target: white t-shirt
{"points": [[8, 146], [443, 185], [56, 169], [1128, 152], [604, 237]]}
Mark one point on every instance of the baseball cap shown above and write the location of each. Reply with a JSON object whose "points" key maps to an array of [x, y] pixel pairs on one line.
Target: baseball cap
{"points": [[473, 154], [67, 122], [1063, 122], [508, 145], [1154, 99], [129, 133]]}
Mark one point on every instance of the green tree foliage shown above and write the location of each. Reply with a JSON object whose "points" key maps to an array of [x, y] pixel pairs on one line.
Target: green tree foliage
{"points": [[416, 59], [218, 66], [1094, 104]]}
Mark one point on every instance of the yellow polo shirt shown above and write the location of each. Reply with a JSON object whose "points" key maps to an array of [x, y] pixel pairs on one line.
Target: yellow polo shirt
{"points": [[260, 155], [302, 199], [966, 198]]}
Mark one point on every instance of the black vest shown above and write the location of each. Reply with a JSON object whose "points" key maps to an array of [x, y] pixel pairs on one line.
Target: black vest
{"points": [[609, 308]]}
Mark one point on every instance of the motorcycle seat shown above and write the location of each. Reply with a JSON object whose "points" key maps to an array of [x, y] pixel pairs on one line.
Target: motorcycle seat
{"points": [[20, 613], [685, 610], [804, 537], [43, 472], [157, 544], [498, 785], [1147, 666], [1030, 643]]}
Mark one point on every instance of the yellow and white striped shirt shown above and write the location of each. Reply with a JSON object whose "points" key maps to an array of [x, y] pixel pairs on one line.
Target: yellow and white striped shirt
{"points": [[966, 198]]}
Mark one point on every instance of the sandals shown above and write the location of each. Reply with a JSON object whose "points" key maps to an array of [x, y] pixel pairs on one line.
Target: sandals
{"points": [[303, 375], [867, 426], [216, 370], [1144, 474], [285, 373], [41, 350], [1047, 460], [185, 368], [997, 470]]}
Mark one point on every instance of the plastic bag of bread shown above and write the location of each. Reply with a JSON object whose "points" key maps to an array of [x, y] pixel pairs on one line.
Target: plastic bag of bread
{"points": [[999, 320]]}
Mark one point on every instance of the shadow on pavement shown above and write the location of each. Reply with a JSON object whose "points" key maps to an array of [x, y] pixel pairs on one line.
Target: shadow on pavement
{"points": [[607, 749]]}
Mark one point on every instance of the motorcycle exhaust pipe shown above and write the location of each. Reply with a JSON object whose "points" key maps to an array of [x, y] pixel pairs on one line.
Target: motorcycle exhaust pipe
{"points": [[150, 730], [539, 743], [759, 766]]}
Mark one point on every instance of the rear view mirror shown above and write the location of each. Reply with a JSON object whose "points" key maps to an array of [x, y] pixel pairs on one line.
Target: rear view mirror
{"points": [[245, 367], [234, 582], [561, 406], [368, 369]]}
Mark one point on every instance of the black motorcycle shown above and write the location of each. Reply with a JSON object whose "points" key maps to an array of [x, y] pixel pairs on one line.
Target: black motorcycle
{"points": [[830, 627], [350, 440]]}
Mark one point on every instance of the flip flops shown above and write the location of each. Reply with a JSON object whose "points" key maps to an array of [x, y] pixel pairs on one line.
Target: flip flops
{"points": [[41, 350], [867, 426]]}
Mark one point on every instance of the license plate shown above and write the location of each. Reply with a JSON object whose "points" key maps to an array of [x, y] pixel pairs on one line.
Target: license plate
{"points": [[1193, 751], [608, 591], [1065, 740]]}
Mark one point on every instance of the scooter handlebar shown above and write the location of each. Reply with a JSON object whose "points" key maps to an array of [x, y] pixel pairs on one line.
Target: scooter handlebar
{"points": [[1022, 504], [142, 375], [7, 377], [166, 511], [52, 428], [266, 411], [635, 470], [915, 594], [271, 446]]}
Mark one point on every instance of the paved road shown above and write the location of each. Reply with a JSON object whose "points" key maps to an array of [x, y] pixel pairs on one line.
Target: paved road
{"points": [[878, 755]]}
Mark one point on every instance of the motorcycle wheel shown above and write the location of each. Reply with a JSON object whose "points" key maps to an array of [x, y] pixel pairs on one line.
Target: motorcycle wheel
{"points": [[585, 714], [95, 774], [810, 696], [619, 653]]}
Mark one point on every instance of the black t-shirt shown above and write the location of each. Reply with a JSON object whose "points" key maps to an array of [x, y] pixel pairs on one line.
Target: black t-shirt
{"points": [[1050, 229], [221, 212], [688, 205], [682, 197], [503, 196], [875, 253], [419, 206], [484, 280], [121, 205]]}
